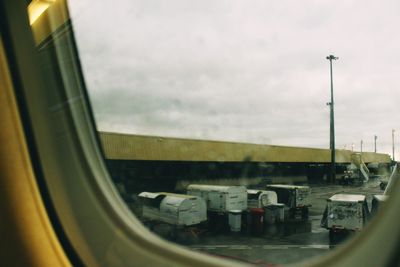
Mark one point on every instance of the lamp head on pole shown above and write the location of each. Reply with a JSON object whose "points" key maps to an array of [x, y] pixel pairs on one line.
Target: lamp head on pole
{"points": [[332, 57]]}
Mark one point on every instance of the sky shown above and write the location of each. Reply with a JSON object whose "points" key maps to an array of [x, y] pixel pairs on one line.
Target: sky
{"points": [[247, 71]]}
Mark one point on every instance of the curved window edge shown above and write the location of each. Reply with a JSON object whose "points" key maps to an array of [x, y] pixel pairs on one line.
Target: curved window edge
{"points": [[100, 227]]}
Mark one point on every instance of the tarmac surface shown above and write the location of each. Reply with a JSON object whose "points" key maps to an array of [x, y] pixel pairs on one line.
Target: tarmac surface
{"points": [[279, 247]]}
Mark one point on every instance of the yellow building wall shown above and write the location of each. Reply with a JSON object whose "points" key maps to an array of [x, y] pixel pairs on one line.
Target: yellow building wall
{"points": [[138, 147]]}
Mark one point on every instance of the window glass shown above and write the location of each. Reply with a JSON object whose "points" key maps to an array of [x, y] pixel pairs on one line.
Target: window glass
{"points": [[216, 118]]}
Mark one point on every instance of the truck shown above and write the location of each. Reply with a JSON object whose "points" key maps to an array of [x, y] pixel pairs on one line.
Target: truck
{"points": [[356, 172], [296, 198], [344, 214], [351, 176]]}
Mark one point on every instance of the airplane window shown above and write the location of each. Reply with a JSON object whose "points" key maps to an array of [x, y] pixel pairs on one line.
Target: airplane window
{"points": [[260, 131]]}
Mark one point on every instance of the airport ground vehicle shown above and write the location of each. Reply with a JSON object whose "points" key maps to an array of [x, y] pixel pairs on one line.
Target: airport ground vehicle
{"points": [[377, 202], [345, 214], [220, 198], [260, 198], [383, 184], [387, 185], [174, 209], [58, 205], [296, 198], [357, 172], [351, 176]]}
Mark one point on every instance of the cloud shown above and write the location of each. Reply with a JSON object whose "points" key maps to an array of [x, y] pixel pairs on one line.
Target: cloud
{"points": [[243, 71]]}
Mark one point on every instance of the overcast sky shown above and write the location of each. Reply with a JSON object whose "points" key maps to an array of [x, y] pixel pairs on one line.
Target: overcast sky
{"points": [[250, 71]]}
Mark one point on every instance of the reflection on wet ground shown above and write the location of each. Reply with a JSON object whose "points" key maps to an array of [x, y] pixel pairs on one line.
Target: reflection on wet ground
{"points": [[280, 244]]}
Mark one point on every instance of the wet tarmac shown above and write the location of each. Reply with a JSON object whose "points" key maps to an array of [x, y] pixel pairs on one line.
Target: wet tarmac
{"points": [[278, 245]]}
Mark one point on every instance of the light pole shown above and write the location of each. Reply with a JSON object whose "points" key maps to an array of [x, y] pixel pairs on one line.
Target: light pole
{"points": [[332, 123], [361, 143], [375, 137], [393, 144]]}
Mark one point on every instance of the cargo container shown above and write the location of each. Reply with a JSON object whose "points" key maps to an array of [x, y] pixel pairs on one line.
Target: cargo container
{"points": [[293, 196], [344, 213], [296, 198], [377, 202], [174, 209], [261, 198], [274, 213], [221, 198]]}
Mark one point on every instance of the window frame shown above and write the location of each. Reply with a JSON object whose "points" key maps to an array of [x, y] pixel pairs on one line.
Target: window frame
{"points": [[68, 165]]}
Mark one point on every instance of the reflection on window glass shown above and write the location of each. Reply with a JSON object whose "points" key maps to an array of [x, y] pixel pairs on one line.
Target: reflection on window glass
{"points": [[262, 131]]}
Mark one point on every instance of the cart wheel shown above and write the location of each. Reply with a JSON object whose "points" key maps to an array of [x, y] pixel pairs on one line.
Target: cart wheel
{"points": [[304, 214], [332, 238]]}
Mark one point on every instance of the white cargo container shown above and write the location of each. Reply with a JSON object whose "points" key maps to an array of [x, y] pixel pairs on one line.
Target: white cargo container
{"points": [[220, 198], [293, 196], [346, 211], [261, 198], [174, 209], [344, 214]]}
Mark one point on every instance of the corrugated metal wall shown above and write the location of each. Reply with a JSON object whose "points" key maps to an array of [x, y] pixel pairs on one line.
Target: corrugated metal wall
{"points": [[137, 147]]}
